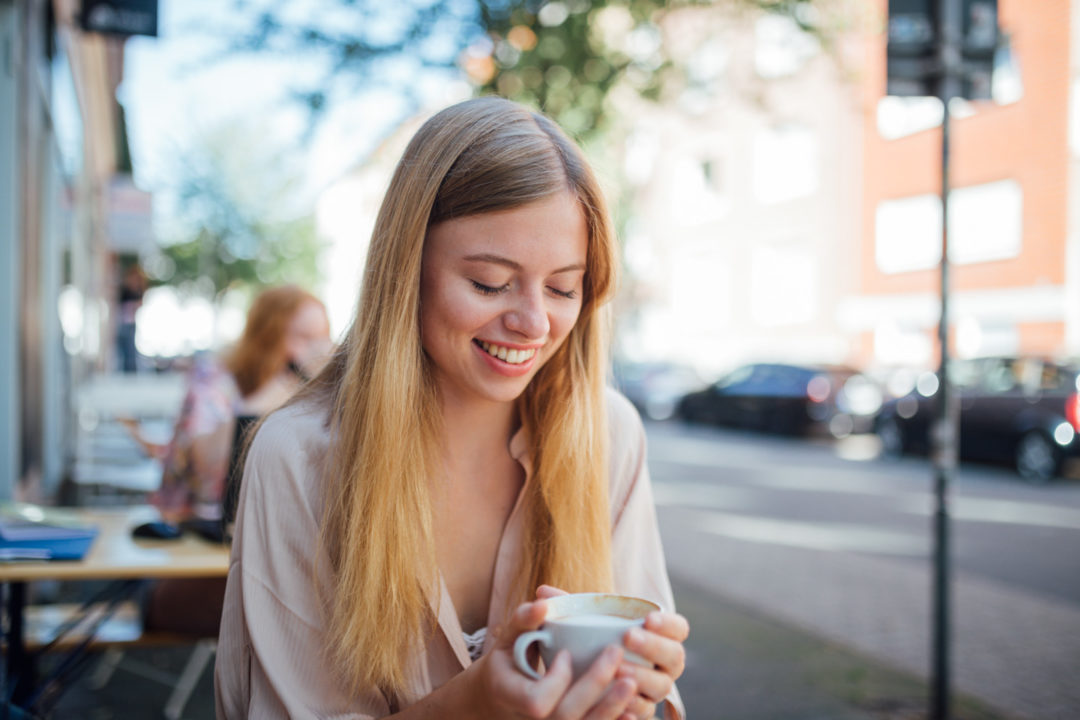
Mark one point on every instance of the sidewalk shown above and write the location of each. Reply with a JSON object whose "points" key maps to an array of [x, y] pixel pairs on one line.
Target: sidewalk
{"points": [[1012, 651], [744, 666]]}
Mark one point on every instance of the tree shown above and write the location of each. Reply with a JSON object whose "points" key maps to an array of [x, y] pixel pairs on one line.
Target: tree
{"points": [[562, 56], [231, 221]]}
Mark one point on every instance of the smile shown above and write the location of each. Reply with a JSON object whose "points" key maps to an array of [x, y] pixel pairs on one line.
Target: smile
{"points": [[513, 356]]}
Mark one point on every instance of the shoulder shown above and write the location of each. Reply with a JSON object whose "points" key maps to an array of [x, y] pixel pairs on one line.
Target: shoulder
{"points": [[626, 445], [289, 451], [299, 426], [622, 416]]}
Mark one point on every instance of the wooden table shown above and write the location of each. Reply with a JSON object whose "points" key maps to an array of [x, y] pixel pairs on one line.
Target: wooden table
{"points": [[114, 555]]}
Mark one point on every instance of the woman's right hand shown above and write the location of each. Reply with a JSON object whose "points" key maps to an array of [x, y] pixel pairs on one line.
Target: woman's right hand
{"points": [[504, 692]]}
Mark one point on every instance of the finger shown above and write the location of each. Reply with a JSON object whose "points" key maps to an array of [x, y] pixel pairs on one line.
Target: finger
{"points": [[527, 616], [670, 625], [548, 591], [640, 709], [544, 694], [667, 654], [534, 698], [615, 702], [591, 687], [653, 685]]}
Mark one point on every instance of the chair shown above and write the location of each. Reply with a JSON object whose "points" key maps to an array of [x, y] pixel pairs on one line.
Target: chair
{"points": [[235, 474], [220, 531]]}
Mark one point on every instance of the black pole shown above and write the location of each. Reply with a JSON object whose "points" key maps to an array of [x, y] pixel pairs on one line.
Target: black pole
{"points": [[945, 457], [939, 704]]}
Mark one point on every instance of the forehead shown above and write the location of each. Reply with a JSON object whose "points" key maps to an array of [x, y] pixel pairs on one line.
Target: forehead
{"points": [[309, 316], [547, 229]]}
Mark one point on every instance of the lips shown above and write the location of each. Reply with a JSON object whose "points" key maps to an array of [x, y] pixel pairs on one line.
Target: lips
{"points": [[509, 355]]}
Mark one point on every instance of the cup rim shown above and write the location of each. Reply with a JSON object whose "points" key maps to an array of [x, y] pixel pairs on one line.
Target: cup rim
{"points": [[553, 602]]}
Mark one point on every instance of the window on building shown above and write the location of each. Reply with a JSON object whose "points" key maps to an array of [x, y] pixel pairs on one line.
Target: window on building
{"points": [[1007, 83], [783, 285], [696, 190], [985, 224], [785, 163]]}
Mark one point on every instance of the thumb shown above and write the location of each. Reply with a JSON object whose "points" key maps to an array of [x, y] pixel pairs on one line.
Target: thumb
{"points": [[527, 616]]}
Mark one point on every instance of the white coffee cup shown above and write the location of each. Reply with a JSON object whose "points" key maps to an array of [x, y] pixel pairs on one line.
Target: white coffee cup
{"points": [[584, 624]]}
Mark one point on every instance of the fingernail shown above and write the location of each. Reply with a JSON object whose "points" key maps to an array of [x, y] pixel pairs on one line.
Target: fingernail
{"points": [[613, 654], [635, 635], [625, 671]]}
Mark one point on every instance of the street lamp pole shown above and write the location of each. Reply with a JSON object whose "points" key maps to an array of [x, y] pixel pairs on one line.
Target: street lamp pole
{"points": [[945, 457], [944, 48]]}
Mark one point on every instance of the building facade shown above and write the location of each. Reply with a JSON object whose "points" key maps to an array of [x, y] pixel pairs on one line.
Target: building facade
{"points": [[782, 207], [1012, 250], [61, 144]]}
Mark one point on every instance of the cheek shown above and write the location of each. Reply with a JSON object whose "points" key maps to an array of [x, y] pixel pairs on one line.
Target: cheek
{"points": [[446, 308], [563, 320]]}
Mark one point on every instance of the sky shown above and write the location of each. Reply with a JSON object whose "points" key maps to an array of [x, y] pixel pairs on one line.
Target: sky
{"points": [[181, 85], [180, 90]]}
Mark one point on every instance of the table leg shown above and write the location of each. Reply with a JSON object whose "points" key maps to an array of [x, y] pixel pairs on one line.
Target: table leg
{"points": [[19, 673]]}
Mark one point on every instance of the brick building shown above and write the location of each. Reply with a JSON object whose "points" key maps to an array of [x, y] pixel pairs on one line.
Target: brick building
{"points": [[1016, 278]]}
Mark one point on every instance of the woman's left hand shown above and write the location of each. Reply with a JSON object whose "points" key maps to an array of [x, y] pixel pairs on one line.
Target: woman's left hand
{"points": [[659, 642]]}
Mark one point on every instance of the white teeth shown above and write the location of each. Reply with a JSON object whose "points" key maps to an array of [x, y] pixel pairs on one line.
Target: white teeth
{"points": [[508, 355]]}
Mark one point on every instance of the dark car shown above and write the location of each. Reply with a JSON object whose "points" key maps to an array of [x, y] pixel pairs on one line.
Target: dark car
{"points": [[655, 388], [1017, 410], [788, 399]]}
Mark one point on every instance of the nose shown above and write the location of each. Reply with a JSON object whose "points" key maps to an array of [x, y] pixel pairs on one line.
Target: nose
{"points": [[528, 317]]}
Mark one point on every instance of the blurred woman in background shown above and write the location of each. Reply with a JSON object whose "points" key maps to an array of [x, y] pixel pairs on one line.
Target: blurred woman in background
{"points": [[286, 340]]}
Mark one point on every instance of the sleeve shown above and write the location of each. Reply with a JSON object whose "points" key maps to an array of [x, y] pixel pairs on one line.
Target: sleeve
{"points": [[197, 455], [637, 553], [272, 660]]}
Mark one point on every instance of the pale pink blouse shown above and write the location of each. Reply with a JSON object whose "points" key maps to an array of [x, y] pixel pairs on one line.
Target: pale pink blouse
{"points": [[271, 659]]}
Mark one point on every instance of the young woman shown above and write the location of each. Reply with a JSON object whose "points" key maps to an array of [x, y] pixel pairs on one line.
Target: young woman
{"points": [[402, 520], [286, 338]]}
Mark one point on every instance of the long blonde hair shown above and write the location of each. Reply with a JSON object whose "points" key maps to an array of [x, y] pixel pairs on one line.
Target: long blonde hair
{"points": [[478, 156]]}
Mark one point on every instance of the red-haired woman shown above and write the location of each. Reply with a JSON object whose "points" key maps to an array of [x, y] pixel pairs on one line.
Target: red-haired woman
{"points": [[286, 339]]}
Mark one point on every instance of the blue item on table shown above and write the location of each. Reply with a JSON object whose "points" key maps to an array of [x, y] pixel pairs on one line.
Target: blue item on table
{"points": [[23, 538], [158, 530]]}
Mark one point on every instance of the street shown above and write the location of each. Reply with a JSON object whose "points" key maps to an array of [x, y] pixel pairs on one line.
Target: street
{"points": [[826, 538]]}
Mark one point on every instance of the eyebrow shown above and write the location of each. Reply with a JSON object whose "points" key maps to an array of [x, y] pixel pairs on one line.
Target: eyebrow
{"points": [[507, 262]]}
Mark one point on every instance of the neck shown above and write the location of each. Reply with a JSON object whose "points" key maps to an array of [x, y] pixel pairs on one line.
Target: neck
{"points": [[474, 431]]}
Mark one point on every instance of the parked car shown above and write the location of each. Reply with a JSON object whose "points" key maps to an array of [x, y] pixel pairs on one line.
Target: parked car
{"points": [[655, 388], [788, 399], [1018, 410]]}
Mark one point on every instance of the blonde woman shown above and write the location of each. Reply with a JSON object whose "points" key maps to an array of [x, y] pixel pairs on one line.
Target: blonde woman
{"points": [[403, 519]]}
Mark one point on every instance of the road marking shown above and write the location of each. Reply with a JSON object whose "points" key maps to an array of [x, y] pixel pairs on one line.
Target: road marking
{"points": [[814, 536], [1009, 512], [965, 509], [842, 479]]}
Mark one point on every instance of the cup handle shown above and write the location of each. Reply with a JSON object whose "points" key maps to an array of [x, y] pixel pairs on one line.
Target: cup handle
{"points": [[521, 647]]}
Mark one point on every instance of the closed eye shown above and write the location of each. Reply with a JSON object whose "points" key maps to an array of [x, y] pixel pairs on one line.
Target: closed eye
{"points": [[568, 294], [487, 289]]}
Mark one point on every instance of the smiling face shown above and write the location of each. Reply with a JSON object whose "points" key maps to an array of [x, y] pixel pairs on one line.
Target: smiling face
{"points": [[499, 293]]}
